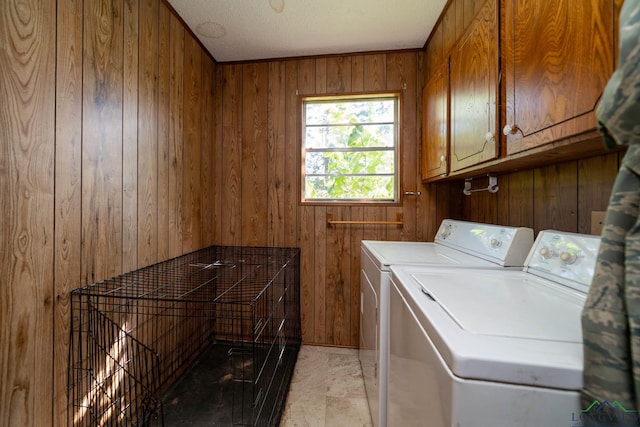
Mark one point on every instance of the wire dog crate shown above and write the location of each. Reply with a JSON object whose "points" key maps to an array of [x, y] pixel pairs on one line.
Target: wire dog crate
{"points": [[135, 335]]}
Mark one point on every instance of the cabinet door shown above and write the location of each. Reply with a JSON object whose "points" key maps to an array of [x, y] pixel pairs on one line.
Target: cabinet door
{"points": [[474, 89], [558, 57], [435, 124]]}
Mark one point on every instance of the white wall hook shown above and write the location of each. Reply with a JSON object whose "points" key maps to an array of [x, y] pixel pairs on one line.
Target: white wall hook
{"points": [[491, 188]]}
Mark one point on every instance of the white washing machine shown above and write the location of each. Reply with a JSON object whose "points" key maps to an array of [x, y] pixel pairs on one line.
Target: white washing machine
{"points": [[457, 244], [491, 348]]}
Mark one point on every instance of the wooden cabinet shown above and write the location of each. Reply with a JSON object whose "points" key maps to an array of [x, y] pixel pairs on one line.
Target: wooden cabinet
{"points": [[459, 100], [435, 124], [550, 62], [558, 57], [474, 90]]}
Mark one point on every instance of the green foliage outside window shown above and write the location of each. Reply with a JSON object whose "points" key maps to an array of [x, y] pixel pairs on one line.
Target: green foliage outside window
{"points": [[350, 149]]}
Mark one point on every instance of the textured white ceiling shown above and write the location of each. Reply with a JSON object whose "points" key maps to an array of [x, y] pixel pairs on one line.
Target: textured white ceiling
{"points": [[238, 30]]}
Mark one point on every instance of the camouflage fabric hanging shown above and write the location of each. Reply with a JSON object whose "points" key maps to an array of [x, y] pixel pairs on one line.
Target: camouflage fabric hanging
{"points": [[611, 315]]}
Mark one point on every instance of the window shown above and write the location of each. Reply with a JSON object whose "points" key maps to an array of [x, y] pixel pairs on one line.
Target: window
{"points": [[350, 148]]}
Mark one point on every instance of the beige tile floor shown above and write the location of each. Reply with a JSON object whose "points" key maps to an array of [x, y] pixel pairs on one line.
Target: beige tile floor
{"points": [[326, 390]]}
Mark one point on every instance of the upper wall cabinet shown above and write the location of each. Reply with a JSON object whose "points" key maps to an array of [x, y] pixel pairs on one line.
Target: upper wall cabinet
{"points": [[435, 128], [555, 58], [558, 57], [474, 88]]}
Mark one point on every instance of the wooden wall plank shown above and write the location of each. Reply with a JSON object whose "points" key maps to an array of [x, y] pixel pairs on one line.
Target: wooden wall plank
{"points": [[520, 196], [207, 174], [502, 201], [276, 159], [435, 50], [68, 202], [291, 152], [451, 192], [320, 274], [254, 153], [375, 72], [191, 186], [176, 136], [596, 176], [449, 29], [307, 228], [130, 137], [425, 210], [306, 235], [338, 271], [337, 295], [27, 156], [218, 157], [356, 235], [148, 134], [357, 73], [338, 69], [375, 79], [356, 232], [428, 208], [321, 76], [164, 120], [556, 197], [401, 76], [320, 238], [232, 155], [102, 131]]}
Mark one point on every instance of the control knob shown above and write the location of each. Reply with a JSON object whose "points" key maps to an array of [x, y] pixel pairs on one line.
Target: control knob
{"points": [[546, 253], [496, 243], [568, 257]]}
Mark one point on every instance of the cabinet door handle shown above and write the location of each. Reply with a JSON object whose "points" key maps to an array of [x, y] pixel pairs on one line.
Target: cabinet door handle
{"points": [[488, 137], [443, 158], [509, 129]]}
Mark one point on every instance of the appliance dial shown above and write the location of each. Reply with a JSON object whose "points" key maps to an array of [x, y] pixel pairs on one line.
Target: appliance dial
{"points": [[496, 243], [568, 257], [546, 252]]}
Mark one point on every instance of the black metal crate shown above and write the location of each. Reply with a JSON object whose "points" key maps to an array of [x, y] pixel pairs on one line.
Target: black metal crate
{"points": [[134, 335]]}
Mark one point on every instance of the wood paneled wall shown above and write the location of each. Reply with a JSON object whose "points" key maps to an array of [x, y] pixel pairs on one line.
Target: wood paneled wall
{"points": [[257, 149], [106, 163], [257, 182], [559, 196]]}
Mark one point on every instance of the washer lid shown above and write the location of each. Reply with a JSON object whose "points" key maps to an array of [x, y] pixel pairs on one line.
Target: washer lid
{"points": [[494, 304], [499, 325]]}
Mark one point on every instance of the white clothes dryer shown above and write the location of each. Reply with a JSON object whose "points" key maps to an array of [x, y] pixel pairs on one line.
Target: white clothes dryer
{"points": [[457, 244]]}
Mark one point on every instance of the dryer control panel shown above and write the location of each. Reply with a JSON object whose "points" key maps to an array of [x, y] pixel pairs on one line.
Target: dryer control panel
{"points": [[568, 258], [506, 246]]}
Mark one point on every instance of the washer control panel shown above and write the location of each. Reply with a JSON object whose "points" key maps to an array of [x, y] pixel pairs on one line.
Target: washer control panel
{"points": [[568, 256]]}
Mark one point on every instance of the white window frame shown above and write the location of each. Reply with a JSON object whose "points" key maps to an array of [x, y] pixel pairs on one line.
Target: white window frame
{"points": [[305, 99]]}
